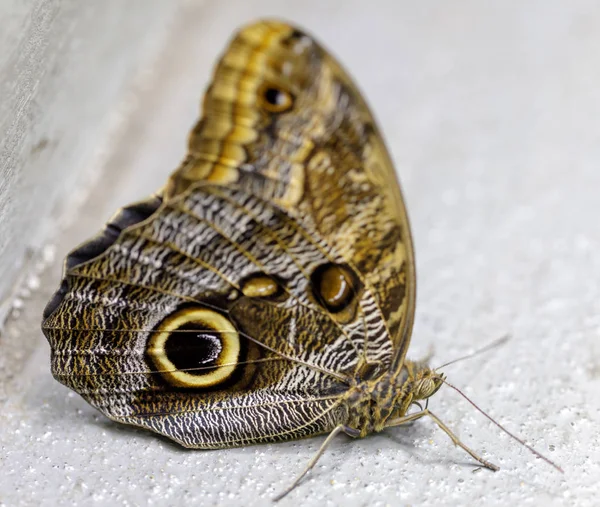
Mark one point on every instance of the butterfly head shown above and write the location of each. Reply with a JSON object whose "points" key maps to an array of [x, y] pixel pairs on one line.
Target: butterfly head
{"points": [[427, 383]]}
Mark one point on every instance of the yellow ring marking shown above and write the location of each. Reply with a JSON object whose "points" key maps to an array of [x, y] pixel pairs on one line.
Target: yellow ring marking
{"points": [[228, 357]]}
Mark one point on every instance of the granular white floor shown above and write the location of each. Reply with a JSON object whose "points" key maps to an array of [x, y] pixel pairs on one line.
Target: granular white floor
{"points": [[492, 114]]}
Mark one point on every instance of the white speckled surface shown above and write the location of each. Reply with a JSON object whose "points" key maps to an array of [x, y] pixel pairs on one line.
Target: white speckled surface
{"points": [[492, 115]]}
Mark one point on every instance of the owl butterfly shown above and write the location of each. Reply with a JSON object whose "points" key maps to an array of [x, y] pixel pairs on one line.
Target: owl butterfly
{"points": [[267, 292]]}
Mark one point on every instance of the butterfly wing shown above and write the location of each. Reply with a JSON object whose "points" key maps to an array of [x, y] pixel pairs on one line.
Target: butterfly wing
{"points": [[237, 305], [283, 120]]}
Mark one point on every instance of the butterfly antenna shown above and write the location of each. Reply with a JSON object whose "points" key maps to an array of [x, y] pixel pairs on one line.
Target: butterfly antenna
{"points": [[514, 437], [489, 346]]}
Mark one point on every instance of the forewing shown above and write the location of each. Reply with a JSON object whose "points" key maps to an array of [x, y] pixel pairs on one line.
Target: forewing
{"points": [[321, 158]]}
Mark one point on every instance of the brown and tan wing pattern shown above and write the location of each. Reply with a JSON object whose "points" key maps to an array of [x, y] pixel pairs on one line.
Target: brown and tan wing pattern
{"points": [[283, 120], [273, 270]]}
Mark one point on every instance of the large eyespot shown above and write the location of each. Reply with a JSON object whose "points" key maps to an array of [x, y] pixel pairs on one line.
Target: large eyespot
{"points": [[336, 287], [274, 99], [195, 348]]}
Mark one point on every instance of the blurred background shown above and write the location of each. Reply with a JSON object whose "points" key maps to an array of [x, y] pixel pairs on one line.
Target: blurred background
{"points": [[491, 111]]}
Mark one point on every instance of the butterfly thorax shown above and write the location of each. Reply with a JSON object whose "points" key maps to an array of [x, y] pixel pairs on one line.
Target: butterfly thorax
{"points": [[374, 404]]}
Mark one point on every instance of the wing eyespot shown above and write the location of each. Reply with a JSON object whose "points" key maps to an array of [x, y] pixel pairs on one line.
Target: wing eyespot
{"points": [[261, 285], [274, 99], [337, 288], [195, 348]]}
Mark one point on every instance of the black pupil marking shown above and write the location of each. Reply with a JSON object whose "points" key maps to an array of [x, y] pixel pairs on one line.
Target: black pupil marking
{"points": [[192, 346], [275, 97]]}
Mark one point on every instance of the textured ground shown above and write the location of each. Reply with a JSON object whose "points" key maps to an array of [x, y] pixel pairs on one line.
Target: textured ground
{"points": [[492, 116]]}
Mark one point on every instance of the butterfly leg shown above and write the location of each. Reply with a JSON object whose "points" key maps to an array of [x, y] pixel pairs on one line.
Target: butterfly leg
{"points": [[426, 412], [336, 431]]}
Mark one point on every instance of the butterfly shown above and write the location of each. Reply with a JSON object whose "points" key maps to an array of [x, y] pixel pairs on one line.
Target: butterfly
{"points": [[267, 291]]}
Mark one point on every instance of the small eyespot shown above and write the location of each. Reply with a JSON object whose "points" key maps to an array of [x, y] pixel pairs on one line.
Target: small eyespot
{"points": [[195, 348], [336, 287], [260, 285], [274, 99]]}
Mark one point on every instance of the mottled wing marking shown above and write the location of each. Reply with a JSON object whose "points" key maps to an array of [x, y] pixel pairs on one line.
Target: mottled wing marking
{"points": [[324, 163], [234, 421], [194, 251]]}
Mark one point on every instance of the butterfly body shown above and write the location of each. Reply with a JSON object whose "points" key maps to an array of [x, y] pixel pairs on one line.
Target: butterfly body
{"points": [[376, 404]]}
